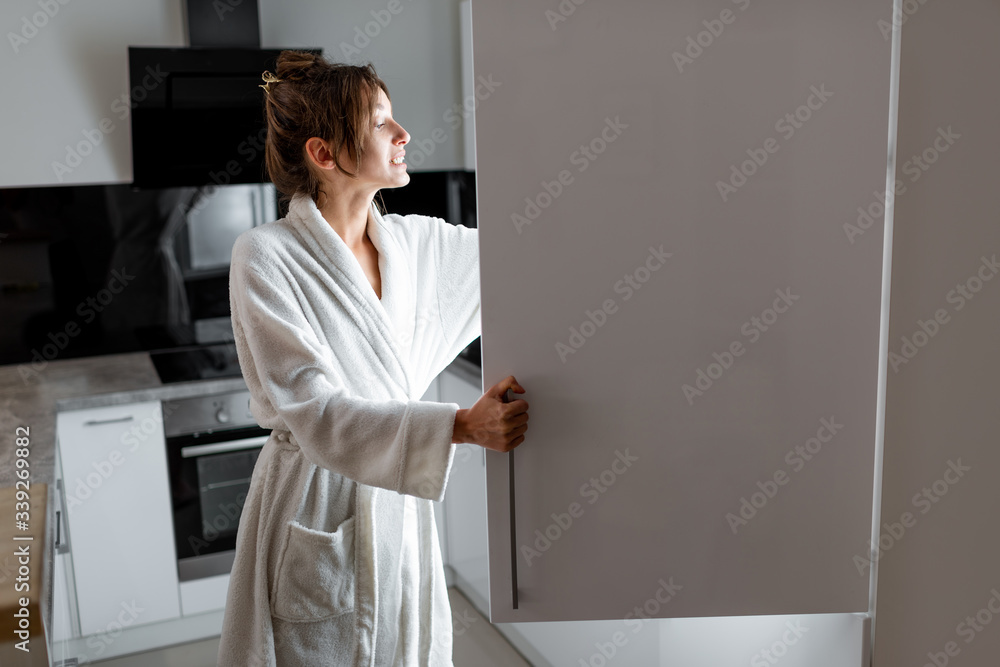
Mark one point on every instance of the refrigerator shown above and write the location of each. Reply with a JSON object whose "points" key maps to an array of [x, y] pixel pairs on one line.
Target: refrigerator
{"points": [[670, 197]]}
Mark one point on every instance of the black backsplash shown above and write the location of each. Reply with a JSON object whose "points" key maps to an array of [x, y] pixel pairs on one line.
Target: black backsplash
{"points": [[66, 251]]}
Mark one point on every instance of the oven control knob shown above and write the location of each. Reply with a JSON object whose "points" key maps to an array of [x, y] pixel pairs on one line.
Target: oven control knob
{"points": [[222, 416]]}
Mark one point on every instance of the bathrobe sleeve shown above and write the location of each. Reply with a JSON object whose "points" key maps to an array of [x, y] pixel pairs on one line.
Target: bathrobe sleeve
{"points": [[400, 445], [448, 256], [456, 250]]}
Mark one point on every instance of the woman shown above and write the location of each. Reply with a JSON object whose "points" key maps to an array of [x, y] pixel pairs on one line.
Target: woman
{"points": [[342, 317]]}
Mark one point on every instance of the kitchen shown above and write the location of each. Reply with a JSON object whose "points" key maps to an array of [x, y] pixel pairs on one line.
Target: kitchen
{"points": [[118, 359]]}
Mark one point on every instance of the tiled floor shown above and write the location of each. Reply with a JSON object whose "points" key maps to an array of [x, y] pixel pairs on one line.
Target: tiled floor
{"points": [[476, 644]]}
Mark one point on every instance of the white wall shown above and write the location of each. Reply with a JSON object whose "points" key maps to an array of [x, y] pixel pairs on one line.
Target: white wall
{"points": [[942, 405], [61, 80]]}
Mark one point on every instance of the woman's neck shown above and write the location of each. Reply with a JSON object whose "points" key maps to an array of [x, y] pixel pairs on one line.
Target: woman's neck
{"points": [[348, 216]]}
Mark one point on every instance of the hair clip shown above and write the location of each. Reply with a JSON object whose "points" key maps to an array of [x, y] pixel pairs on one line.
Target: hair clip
{"points": [[268, 80]]}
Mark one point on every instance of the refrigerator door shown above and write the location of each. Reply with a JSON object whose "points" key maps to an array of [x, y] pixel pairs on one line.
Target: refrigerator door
{"points": [[681, 218]]}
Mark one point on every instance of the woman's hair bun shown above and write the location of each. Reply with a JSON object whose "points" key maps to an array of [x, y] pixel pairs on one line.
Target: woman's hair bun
{"points": [[296, 65]]}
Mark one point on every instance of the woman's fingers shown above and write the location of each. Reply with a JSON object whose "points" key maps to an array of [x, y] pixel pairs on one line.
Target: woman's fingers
{"points": [[503, 385], [501, 427], [518, 419], [517, 430]]}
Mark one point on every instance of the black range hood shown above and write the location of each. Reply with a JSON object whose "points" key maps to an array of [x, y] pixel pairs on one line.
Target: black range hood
{"points": [[197, 112]]}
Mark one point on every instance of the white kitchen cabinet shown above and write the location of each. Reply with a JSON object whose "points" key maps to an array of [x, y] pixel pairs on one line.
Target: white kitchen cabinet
{"points": [[64, 609], [114, 469], [204, 594], [62, 620], [698, 339]]}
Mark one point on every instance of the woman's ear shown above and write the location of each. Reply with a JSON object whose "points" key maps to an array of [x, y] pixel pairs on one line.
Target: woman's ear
{"points": [[319, 153]]}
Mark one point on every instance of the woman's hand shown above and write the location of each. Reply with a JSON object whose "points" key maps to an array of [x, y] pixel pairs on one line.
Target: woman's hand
{"points": [[491, 423]]}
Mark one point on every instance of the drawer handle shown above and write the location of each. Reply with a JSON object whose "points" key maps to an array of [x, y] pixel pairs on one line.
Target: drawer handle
{"points": [[98, 422]]}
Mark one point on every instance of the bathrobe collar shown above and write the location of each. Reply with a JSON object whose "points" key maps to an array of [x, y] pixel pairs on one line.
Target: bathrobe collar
{"points": [[394, 315]]}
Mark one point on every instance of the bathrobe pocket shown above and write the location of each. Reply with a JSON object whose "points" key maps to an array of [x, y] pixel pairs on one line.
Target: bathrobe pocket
{"points": [[316, 573]]}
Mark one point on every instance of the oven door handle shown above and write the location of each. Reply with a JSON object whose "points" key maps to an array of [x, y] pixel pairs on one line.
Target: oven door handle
{"points": [[219, 447]]}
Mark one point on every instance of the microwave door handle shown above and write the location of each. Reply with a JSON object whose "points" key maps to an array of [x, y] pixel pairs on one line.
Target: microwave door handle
{"points": [[219, 447]]}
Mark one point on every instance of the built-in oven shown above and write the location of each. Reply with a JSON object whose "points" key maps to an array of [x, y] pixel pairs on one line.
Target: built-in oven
{"points": [[212, 445]]}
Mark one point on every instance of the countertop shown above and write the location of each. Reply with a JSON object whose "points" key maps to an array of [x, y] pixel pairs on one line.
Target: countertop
{"points": [[31, 394]]}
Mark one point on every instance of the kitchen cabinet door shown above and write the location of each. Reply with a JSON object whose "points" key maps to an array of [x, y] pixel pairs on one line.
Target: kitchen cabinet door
{"points": [[670, 197], [120, 534]]}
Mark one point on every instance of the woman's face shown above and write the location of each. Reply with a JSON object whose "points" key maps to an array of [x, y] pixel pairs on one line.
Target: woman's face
{"points": [[386, 140]]}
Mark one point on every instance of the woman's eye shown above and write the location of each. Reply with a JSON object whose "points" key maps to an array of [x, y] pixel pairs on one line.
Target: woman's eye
{"points": [[379, 125]]}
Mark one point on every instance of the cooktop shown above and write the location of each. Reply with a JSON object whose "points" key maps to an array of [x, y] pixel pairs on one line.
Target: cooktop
{"points": [[201, 362]]}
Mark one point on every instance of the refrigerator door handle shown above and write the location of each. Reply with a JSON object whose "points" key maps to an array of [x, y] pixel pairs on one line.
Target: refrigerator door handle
{"points": [[513, 531]]}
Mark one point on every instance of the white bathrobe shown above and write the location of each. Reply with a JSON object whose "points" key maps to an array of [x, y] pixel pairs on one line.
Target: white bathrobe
{"points": [[337, 555]]}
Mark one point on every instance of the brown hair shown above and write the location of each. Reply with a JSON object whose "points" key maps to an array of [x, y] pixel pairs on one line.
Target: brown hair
{"points": [[315, 98]]}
